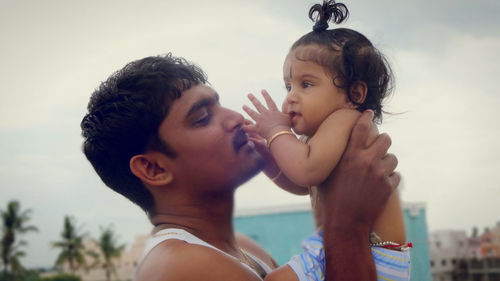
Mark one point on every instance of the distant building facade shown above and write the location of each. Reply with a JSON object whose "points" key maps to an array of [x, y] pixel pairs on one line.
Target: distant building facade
{"points": [[446, 249], [454, 256]]}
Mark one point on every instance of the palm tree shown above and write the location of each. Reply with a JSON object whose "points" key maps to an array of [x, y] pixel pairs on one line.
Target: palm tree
{"points": [[14, 222], [71, 245], [109, 249]]}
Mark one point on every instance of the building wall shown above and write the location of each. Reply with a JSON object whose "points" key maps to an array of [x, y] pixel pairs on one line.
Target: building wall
{"points": [[447, 248], [280, 232], [417, 233]]}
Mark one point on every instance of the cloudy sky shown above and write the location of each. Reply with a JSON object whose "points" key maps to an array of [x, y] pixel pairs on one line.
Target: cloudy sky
{"points": [[445, 55]]}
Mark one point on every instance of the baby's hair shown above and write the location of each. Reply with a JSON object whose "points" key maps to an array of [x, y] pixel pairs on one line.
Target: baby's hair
{"points": [[336, 12], [347, 55]]}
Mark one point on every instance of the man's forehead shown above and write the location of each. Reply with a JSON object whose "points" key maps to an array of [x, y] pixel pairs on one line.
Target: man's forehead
{"points": [[189, 98]]}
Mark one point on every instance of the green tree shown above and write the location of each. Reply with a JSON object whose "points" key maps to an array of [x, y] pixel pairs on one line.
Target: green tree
{"points": [[14, 222], [71, 245], [109, 250]]}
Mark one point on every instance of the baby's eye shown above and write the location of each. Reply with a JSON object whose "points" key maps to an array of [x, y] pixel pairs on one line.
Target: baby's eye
{"points": [[288, 88], [306, 84]]}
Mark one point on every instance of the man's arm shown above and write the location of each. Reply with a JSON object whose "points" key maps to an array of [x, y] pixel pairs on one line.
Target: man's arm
{"points": [[361, 184]]}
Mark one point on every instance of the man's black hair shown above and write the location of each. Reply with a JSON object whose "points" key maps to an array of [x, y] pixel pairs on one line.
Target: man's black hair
{"points": [[124, 115]]}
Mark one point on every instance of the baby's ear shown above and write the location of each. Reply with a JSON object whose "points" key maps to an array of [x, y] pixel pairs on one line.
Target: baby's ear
{"points": [[358, 92], [151, 168]]}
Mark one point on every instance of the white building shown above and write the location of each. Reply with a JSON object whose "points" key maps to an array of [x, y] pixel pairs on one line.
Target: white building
{"points": [[446, 248]]}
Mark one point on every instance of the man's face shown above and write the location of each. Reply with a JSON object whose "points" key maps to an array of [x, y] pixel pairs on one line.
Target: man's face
{"points": [[212, 150]]}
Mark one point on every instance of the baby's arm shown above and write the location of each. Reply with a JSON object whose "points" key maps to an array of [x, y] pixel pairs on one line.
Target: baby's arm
{"points": [[310, 164], [390, 225], [304, 164], [271, 169]]}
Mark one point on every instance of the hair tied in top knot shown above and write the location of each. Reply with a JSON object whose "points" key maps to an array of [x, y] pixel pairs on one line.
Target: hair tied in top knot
{"points": [[329, 11]]}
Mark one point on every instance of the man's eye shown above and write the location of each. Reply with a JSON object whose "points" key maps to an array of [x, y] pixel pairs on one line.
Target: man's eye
{"points": [[203, 120]]}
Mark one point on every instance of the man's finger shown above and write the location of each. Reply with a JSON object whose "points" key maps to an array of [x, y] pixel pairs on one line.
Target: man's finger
{"points": [[381, 145], [393, 180], [361, 130], [389, 163]]}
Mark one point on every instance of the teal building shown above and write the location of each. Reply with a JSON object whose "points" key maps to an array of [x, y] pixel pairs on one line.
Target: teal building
{"points": [[280, 231]]}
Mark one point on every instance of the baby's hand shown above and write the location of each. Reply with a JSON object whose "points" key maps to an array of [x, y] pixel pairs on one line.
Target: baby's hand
{"points": [[268, 121], [259, 142]]}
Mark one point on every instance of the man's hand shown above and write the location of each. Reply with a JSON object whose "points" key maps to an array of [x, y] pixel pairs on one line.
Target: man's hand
{"points": [[360, 186], [364, 178]]}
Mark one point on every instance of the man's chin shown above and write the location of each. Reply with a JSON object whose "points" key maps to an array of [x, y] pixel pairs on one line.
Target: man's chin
{"points": [[254, 170]]}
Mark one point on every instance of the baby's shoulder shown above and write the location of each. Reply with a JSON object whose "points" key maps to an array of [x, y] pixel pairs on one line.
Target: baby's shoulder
{"points": [[345, 113], [344, 117]]}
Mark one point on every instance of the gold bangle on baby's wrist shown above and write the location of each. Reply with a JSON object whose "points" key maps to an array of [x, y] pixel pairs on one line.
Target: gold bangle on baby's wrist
{"points": [[277, 176], [284, 132]]}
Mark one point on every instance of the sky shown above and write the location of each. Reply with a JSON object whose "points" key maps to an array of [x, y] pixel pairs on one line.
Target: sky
{"points": [[53, 54]]}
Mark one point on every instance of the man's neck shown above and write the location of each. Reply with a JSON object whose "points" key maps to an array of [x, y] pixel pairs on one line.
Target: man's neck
{"points": [[208, 217]]}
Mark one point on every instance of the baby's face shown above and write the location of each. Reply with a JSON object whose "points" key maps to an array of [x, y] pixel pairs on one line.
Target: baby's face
{"points": [[311, 94]]}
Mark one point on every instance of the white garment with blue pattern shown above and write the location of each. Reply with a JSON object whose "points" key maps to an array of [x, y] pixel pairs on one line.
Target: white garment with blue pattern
{"points": [[310, 264]]}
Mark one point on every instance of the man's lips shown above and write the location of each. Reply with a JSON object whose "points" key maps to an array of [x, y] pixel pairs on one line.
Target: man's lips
{"points": [[240, 139]]}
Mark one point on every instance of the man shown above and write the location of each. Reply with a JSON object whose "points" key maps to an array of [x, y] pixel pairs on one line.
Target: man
{"points": [[156, 133]]}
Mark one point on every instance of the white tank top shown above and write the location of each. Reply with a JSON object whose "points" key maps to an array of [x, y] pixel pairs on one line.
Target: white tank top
{"points": [[181, 234]]}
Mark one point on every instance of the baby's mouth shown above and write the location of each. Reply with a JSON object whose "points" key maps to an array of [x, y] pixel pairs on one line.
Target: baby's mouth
{"points": [[294, 116]]}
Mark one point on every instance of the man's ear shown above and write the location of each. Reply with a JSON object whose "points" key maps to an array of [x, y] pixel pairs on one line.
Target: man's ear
{"points": [[151, 168], [358, 92]]}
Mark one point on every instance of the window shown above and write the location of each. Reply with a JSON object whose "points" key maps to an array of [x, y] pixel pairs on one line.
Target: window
{"points": [[443, 262], [432, 263]]}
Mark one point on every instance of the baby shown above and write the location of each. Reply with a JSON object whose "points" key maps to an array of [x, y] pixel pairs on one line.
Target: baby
{"points": [[331, 75]]}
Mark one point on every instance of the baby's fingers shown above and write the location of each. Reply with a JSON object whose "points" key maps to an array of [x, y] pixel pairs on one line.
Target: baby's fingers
{"points": [[269, 101], [252, 113], [247, 122], [251, 130], [260, 108]]}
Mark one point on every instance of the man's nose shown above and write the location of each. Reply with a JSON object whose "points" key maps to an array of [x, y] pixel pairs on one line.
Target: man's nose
{"points": [[232, 120]]}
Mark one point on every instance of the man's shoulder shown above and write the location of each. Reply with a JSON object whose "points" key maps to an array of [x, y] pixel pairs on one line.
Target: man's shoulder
{"points": [[256, 250], [178, 260]]}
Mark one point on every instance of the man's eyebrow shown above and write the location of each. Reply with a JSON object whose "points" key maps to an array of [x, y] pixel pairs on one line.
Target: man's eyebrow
{"points": [[203, 103]]}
